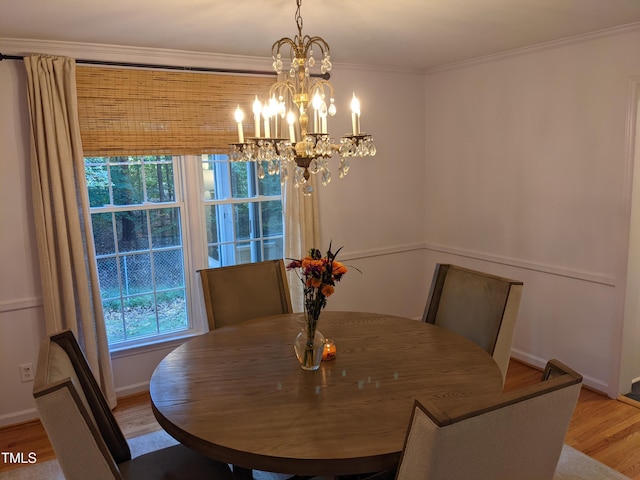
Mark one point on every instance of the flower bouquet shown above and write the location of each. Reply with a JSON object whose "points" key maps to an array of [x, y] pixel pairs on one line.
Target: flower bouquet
{"points": [[318, 275]]}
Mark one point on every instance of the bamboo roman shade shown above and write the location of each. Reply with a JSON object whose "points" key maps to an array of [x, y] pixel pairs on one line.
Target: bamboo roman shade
{"points": [[144, 112]]}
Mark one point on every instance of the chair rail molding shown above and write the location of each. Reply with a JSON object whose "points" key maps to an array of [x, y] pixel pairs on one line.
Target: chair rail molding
{"points": [[20, 304], [591, 277], [379, 252]]}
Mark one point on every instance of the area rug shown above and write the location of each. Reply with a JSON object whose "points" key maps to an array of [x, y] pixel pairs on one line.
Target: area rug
{"points": [[573, 465]]}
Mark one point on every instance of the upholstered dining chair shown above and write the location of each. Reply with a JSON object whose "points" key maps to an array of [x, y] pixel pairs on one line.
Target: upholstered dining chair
{"points": [[515, 435], [249, 290], [85, 436], [478, 306]]}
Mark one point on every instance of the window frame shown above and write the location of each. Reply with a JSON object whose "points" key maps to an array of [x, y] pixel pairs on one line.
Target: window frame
{"points": [[191, 202]]}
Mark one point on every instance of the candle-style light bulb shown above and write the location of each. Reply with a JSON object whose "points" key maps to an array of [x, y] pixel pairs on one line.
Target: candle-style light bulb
{"points": [[257, 110], [316, 102], [273, 113], [265, 115], [291, 119], [355, 115], [239, 116]]}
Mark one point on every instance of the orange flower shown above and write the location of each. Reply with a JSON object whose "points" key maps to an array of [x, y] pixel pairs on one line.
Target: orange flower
{"points": [[339, 268], [327, 290], [313, 282]]}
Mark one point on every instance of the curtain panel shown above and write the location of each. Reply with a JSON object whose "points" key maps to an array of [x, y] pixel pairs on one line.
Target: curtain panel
{"points": [[301, 233], [69, 277]]}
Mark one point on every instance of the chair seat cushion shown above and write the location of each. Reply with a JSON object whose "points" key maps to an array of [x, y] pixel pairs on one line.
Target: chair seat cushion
{"points": [[174, 463]]}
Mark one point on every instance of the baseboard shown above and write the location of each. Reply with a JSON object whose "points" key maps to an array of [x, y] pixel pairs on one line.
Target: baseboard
{"points": [[537, 362], [22, 416], [134, 389], [31, 414]]}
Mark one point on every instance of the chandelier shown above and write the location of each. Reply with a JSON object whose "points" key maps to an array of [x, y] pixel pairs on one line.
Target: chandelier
{"points": [[290, 127]]}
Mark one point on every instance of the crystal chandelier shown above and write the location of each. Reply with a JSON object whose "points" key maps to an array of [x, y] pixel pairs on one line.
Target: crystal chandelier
{"points": [[290, 128]]}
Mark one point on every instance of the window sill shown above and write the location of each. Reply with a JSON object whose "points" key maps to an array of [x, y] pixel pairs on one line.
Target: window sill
{"points": [[152, 344]]}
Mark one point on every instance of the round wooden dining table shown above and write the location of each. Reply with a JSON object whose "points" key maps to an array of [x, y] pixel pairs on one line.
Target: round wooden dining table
{"points": [[238, 395]]}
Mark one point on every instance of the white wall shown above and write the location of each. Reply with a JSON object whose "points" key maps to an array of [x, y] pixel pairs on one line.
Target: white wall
{"points": [[20, 315], [528, 175], [375, 212]]}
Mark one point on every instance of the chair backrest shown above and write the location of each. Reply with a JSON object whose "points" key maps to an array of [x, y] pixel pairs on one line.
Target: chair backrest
{"points": [[478, 306], [518, 434], [82, 430], [240, 292]]}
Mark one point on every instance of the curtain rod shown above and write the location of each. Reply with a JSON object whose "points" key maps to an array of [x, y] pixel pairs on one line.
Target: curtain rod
{"points": [[325, 76]]}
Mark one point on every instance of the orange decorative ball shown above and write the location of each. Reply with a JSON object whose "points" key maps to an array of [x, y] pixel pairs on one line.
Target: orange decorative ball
{"points": [[329, 352]]}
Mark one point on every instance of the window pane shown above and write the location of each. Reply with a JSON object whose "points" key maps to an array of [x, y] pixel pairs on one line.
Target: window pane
{"points": [[131, 230], [209, 180], [140, 316], [271, 214], [102, 226], [97, 177], [273, 248], [114, 320], [246, 252], [242, 220], [211, 223], [240, 185], [270, 185], [169, 270], [135, 274], [127, 183], [172, 311], [165, 227], [159, 179], [214, 256], [108, 277]]}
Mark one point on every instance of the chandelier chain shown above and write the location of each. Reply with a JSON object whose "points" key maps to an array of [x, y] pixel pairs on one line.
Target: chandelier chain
{"points": [[299, 17]]}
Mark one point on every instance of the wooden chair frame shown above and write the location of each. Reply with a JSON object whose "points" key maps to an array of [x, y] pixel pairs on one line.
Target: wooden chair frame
{"points": [[501, 338]]}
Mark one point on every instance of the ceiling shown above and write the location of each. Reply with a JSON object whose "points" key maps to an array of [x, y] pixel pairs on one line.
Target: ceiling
{"points": [[405, 34]]}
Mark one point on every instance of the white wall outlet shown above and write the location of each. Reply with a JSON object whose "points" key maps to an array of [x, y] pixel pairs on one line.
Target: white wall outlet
{"points": [[26, 372]]}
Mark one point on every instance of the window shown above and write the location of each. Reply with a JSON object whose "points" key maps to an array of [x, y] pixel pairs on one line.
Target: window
{"points": [[146, 253], [243, 212]]}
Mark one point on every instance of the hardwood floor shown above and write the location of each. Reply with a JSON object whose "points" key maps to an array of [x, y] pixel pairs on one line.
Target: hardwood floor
{"points": [[603, 428]]}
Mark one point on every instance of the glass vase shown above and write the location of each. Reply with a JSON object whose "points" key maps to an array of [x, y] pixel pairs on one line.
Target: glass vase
{"points": [[309, 345]]}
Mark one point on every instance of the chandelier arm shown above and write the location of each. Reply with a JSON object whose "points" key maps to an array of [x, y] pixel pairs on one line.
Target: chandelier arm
{"points": [[317, 41], [280, 86], [277, 46], [321, 82]]}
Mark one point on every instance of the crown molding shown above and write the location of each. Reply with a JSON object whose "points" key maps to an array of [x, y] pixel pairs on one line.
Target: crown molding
{"points": [[119, 53], [585, 37]]}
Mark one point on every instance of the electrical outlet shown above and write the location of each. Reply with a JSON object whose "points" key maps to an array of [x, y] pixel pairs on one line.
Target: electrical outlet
{"points": [[26, 372]]}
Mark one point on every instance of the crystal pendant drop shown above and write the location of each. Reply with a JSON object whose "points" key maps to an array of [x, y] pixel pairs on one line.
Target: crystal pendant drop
{"points": [[307, 189], [314, 167], [326, 63], [332, 107], [326, 177], [298, 178], [260, 171], [343, 167]]}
